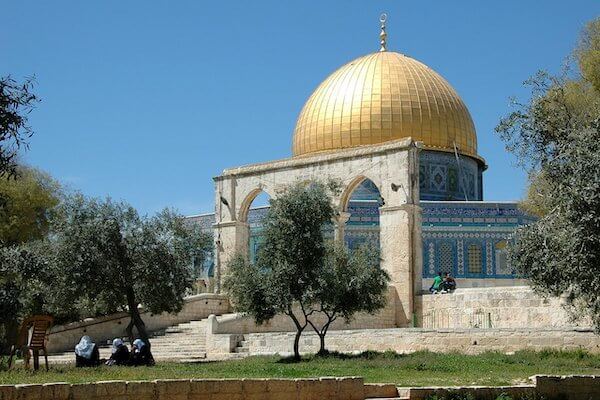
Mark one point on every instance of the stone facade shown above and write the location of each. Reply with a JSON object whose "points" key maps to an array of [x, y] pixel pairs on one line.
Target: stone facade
{"points": [[392, 167], [502, 307]]}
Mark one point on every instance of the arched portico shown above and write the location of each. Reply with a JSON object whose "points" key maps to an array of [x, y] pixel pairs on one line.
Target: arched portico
{"points": [[392, 167]]}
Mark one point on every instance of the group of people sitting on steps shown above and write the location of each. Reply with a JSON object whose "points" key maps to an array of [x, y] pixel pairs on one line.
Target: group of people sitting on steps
{"points": [[443, 285], [87, 354]]}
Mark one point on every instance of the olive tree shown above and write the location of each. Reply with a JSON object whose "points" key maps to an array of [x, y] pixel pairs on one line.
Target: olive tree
{"points": [[285, 276], [350, 281], [556, 135], [109, 258], [299, 274]]}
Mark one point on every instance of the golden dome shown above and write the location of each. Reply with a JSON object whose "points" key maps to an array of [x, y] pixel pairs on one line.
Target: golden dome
{"points": [[381, 97]]}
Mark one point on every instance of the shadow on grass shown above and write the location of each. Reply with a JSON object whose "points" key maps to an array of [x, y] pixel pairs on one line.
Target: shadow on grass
{"points": [[334, 355]]}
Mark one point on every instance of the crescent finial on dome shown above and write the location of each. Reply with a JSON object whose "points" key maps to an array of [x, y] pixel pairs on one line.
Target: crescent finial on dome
{"points": [[383, 34]]}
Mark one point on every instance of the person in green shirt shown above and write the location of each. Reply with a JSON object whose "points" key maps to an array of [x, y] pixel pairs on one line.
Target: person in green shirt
{"points": [[437, 283]]}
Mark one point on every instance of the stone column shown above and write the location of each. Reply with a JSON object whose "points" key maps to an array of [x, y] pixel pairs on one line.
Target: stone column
{"points": [[400, 240], [231, 238], [340, 227]]}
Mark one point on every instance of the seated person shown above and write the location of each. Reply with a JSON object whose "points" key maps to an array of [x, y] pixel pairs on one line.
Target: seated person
{"points": [[449, 283], [120, 353], [86, 353], [437, 283], [140, 354]]}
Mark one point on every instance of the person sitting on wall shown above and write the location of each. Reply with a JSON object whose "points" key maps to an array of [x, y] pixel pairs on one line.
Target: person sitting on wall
{"points": [[437, 284], [86, 353], [120, 353], [140, 354], [449, 283]]}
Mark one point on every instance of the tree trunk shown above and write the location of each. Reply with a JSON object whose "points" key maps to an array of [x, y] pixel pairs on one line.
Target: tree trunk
{"points": [[136, 319], [297, 344], [322, 350]]}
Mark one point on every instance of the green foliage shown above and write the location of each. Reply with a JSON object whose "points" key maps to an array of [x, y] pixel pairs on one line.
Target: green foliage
{"points": [[298, 274], [105, 257], [16, 102], [286, 272], [349, 282], [22, 274], [25, 205], [557, 134], [588, 53]]}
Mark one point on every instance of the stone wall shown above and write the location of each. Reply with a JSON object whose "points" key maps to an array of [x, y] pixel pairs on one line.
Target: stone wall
{"points": [[506, 307], [238, 323], [407, 340], [65, 337], [214, 389]]}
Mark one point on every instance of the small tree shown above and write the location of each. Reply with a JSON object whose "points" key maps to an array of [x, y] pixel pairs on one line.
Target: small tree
{"points": [[350, 282], [285, 276], [109, 258], [16, 102]]}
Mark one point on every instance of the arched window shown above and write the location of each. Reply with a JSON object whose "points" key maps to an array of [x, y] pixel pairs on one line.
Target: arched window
{"points": [[474, 261], [362, 227], [446, 258], [502, 265]]}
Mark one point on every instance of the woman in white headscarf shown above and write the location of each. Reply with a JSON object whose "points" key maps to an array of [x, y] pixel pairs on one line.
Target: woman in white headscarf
{"points": [[140, 353], [86, 353], [120, 353]]}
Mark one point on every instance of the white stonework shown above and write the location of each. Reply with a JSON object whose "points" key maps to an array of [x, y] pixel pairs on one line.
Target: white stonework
{"points": [[393, 167]]}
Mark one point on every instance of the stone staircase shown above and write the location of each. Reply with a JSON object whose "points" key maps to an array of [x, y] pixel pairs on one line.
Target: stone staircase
{"points": [[185, 342], [242, 348]]}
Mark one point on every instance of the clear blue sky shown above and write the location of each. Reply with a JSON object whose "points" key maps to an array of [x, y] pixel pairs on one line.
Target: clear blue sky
{"points": [[147, 101]]}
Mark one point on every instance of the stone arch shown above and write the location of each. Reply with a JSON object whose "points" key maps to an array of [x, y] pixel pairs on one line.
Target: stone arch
{"points": [[351, 187], [247, 202]]}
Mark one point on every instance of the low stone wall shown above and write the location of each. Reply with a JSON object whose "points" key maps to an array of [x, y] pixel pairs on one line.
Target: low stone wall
{"points": [[407, 340], [65, 337], [571, 387], [479, 283], [239, 324], [507, 307], [477, 392], [216, 389]]}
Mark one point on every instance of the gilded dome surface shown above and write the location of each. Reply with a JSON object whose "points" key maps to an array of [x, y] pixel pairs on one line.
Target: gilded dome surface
{"points": [[381, 97]]}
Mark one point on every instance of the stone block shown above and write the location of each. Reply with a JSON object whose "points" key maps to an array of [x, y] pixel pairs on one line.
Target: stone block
{"points": [[227, 389], [111, 390], [8, 392], [28, 392], [141, 390], [254, 389], [201, 389], [56, 391], [378, 390], [281, 389], [83, 391], [172, 389], [351, 388]]}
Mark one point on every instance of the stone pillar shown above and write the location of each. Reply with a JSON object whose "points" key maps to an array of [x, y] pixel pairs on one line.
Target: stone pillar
{"points": [[400, 240], [340, 226], [231, 238]]}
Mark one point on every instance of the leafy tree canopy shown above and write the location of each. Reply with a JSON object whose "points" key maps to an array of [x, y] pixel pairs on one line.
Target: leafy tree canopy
{"points": [[556, 134], [298, 274], [105, 257], [16, 102], [26, 204]]}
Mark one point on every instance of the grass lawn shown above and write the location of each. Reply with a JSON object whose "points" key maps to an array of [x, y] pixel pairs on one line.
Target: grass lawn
{"points": [[417, 369]]}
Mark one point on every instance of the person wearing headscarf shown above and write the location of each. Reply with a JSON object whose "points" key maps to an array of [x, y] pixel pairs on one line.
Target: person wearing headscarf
{"points": [[140, 354], [120, 353], [86, 353]]}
